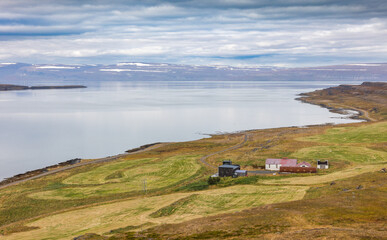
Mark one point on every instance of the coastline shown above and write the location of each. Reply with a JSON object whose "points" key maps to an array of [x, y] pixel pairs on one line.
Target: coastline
{"points": [[357, 116], [304, 97], [69, 164]]}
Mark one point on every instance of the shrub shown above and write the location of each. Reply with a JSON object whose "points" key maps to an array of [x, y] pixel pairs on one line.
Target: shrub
{"points": [[213, 180]]}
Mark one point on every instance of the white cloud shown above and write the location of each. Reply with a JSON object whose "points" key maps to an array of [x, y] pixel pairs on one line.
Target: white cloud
{"points": [[182, 32]]}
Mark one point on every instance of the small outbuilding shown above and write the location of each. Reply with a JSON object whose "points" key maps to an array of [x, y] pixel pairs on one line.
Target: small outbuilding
{"points": [[241, 173], [228, 169], [322, 164]]}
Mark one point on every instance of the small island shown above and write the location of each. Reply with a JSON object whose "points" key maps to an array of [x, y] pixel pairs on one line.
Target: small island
{"points": [[11, 87]]}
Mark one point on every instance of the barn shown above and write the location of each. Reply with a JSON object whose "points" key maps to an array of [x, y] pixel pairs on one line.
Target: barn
{"points": [[274, 164], [228, 169], [298, 169]]}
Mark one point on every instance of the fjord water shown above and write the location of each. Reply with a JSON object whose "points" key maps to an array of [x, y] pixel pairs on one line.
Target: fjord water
{"points": [[44, 127]]}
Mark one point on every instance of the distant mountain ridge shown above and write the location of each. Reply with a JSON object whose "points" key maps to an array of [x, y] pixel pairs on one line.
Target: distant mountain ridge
{"points": [[19, 72]]}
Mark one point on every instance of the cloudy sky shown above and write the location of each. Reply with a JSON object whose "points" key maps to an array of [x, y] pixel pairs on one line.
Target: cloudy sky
{"points": [[230, 32]]}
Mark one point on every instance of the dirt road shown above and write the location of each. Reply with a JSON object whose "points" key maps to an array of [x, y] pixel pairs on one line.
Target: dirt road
{"points": [[203, 159]]}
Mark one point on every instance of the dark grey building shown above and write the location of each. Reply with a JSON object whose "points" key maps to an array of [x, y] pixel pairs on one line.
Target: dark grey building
{"points": [[228, 169]]}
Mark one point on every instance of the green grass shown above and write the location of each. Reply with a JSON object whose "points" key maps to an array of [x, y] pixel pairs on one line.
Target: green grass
{"points": [[103, 180], [108, 173], [341, 153], [328, 212], [372, 133], [231, 198], [171, 209], [154, 210]]}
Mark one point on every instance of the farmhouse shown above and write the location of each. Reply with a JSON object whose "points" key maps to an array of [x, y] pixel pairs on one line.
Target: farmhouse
{"points": [[322, 164], [274, 164], [228, 169]]}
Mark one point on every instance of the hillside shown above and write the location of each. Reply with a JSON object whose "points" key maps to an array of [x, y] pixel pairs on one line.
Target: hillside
{"points": [[369, 98], [162, 192]]}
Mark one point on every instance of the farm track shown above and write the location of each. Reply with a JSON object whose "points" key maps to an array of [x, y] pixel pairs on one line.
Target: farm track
{"points": [[101, 160], [203, 159], [365, 114]]}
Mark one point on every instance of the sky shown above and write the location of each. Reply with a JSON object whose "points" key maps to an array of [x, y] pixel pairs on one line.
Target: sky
{"points": [[197, 32]]}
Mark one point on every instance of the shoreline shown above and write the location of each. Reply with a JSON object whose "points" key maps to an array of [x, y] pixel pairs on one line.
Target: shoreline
{"points": [[77, 162], [304, 98], [357, 116]]}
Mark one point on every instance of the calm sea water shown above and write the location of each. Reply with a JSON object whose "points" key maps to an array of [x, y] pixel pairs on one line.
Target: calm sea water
{"points": [[44, 127]]}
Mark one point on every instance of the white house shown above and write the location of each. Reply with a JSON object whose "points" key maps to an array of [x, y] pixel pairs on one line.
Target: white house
{"points": [[273, 164]]}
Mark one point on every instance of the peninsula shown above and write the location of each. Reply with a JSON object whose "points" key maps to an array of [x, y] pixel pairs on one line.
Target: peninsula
{"points": [[11, 87]]}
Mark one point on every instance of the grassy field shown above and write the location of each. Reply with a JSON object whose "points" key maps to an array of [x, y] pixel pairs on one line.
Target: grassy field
{"points": [[125, 176], [373, 133], [341, 153], [340, 211], [144, 210]]}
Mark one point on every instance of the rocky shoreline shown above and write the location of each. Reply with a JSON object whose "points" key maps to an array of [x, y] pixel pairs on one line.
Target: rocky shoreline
{"points": [[343, 111]]}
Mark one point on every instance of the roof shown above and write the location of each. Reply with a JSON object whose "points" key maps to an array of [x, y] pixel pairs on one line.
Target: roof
{"points": [[319, 162], [284, 161], [229, 166], [304, 163]]}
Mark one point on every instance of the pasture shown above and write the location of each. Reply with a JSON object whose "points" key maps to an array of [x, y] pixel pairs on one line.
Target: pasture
{"points": [[370, 133], [346, 153], [145, 211], [125, 176]]}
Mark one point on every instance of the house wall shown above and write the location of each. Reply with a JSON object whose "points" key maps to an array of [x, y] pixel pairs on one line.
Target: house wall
{"points": [[323, 166], [272, 167], [226, 172]]}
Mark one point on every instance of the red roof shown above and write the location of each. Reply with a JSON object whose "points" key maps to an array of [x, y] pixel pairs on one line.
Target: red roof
{"points": [[286, 162], [304, 163]]}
